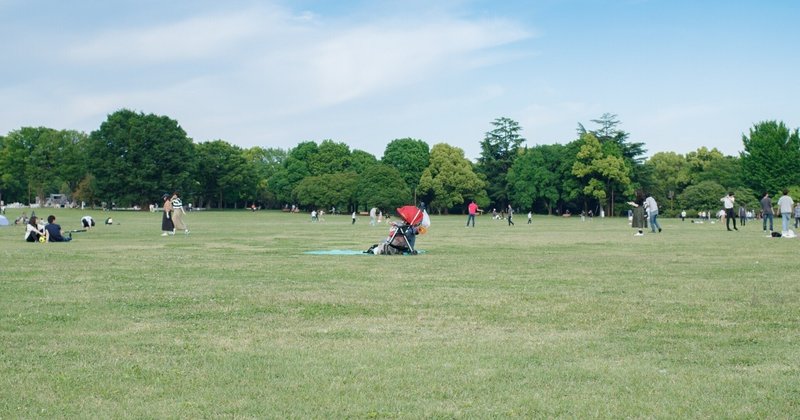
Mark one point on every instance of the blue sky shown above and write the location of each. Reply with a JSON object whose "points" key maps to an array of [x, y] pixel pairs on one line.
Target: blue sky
{"points": [[678, 74]]}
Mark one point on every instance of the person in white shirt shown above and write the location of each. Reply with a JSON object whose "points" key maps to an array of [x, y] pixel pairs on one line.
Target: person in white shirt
{"points": [[33, 230], [87, 222], [727, 202], [652, 210], [785, 204]]}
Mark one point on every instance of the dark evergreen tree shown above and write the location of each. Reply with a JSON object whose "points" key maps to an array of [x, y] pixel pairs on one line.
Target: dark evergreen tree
{"points": [[499, 148]]}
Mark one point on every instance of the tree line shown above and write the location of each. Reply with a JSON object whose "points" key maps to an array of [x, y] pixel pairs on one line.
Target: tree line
{"points": [[133, 158]]}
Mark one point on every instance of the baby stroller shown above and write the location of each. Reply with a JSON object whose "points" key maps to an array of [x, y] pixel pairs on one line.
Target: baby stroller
{"points": [[402, 235]]}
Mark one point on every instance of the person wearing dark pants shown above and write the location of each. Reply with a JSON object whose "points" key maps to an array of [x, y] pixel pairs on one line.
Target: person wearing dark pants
{"points": [[728, 202], [766, 211], [472, 209], [53, 231], [510, 214]]}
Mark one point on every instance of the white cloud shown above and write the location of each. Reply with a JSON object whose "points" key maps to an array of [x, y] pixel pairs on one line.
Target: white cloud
{"points": [[193, 38], [251, 74]]}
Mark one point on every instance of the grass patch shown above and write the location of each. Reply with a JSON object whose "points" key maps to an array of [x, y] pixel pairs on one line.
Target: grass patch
{"points": [[560, 318]]}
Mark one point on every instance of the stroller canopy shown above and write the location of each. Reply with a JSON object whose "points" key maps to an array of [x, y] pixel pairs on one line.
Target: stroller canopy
{"points": [[410, 214]]}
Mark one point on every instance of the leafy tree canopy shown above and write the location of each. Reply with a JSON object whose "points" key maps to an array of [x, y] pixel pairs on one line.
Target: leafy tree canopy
{"points": [[449, 180], [410, 157], [135, 156], [382, 186], [771, 157]]}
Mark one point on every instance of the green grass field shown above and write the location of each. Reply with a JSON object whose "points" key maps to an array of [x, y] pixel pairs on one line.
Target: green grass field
{"points": [[560, 318]]}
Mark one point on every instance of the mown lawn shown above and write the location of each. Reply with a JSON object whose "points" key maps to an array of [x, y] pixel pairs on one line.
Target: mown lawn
{"points": [[560, 318]]}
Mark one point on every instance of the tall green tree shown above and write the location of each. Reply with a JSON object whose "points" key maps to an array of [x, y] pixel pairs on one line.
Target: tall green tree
{"points": [[40, 161], [330, 158], [294, 169], [87, 190], [713, 165], [601, 170], [499, 148], [14, 151], [328, 190], [669, 175], [63, 160], [771, 157], [535, 177], [616, 142], [703, 196], [449, 180], [410, 157], [223, 174], [360, 161], [264, 163], [608, 132], [383, 187], [135, 156]]}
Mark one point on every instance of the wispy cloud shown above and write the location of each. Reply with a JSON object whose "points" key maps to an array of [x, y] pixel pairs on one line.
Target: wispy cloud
{"points": [[196, 37]]}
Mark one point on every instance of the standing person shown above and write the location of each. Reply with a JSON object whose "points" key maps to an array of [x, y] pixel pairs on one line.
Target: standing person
{"points": [[652, 209], [727, 203], [510, 215], [373, 215], [683, 215], [742, 215], [797, 215], [177, 214], [472, 209], [638, 214], [167, 226], [354, 218], [785, 203], [530, 216], [766, 211], [33, 231], [53, 231]]}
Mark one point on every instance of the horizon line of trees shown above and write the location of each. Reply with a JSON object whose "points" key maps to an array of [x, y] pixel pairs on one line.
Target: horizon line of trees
{"points": [[133, 158]]}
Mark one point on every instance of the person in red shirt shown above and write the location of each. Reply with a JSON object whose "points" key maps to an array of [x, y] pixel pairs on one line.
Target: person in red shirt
{"points": [[472, 208]]}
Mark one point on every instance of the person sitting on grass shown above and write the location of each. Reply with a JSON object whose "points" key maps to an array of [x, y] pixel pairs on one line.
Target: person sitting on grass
{"points": [[53, 231], [33, 231]]}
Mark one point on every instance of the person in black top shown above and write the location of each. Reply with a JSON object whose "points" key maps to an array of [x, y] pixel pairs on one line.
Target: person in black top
{"points": [[53, 231]]}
